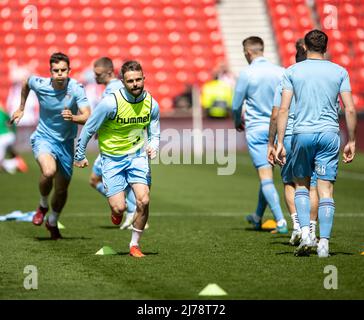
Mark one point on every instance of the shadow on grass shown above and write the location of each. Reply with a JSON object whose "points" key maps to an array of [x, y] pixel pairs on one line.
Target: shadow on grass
{"points": [[285, 243], [291, 253], [315, 253], [108, 227], [341, 253], [63, 238], [251, 229]]}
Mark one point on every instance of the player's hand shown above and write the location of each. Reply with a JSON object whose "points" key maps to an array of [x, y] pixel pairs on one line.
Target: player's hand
{"points": [[241, 127], [271, 154], [17, 115], [349, 152], [151, 153], [67, 114], [81, 164], [280, 154]]}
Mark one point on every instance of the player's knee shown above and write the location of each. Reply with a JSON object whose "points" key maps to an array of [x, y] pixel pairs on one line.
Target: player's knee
{"points": [[143, 202], [118, 208], [49, 172]]}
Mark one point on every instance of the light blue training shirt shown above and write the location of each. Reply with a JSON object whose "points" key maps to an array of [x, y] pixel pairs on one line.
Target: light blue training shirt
{"points": [[277, 103], [256, 85], [107, 109], [316, 85], [113, 85], [51, 104]]}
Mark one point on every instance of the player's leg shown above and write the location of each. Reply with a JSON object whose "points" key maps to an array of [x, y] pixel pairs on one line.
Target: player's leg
{"points": [[95, 179], [58, 201], [326, 165], [117, 206], [14, 156], [48, 168], [138, 176], [59, 197], [314, 201], [130, 209], [9, 165], [303, 150], [114, 180], [255, 219], [141, 192], [272, 197], [289, 191], [258, 147], [62, 179], [302, 204]]}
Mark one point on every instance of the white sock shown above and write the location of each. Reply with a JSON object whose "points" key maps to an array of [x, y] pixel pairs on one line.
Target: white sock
{"points": [[130, 215], [282, 223], [313, 224], [53, 218], [305, 232], [324, 241], [296, 224], [135, 237], [10, 165], [43, 201]]}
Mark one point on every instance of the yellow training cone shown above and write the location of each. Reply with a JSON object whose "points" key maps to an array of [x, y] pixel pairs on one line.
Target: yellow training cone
{"points": [[212, 289], [106, 251], [60, 225]]}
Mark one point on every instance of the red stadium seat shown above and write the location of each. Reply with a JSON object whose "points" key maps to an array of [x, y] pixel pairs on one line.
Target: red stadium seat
{"points": [[177, 41], [346, 44]]}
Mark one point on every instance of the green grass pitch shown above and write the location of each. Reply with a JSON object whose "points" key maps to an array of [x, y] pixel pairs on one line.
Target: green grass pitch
{"points": [[197, 235]]}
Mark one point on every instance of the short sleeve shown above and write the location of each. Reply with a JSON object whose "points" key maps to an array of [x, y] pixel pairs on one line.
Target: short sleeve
{"points": [[345, 83], [278, 96], [287, 81], [80, 96], [33, 82]]}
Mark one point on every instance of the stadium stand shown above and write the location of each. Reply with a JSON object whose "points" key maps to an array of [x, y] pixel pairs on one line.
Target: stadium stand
{"points": [[290, 21], [343, 21], [347, 41], [177, 42]]}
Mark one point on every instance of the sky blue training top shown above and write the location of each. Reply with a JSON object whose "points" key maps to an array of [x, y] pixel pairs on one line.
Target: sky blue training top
{"points": [[256, 84], [316, 85], [51, 104], [277, 103], [107, 108], [113, 85]]}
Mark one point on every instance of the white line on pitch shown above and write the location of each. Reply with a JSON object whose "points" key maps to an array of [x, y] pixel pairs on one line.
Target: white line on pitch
{"points": [[211, 214]]}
